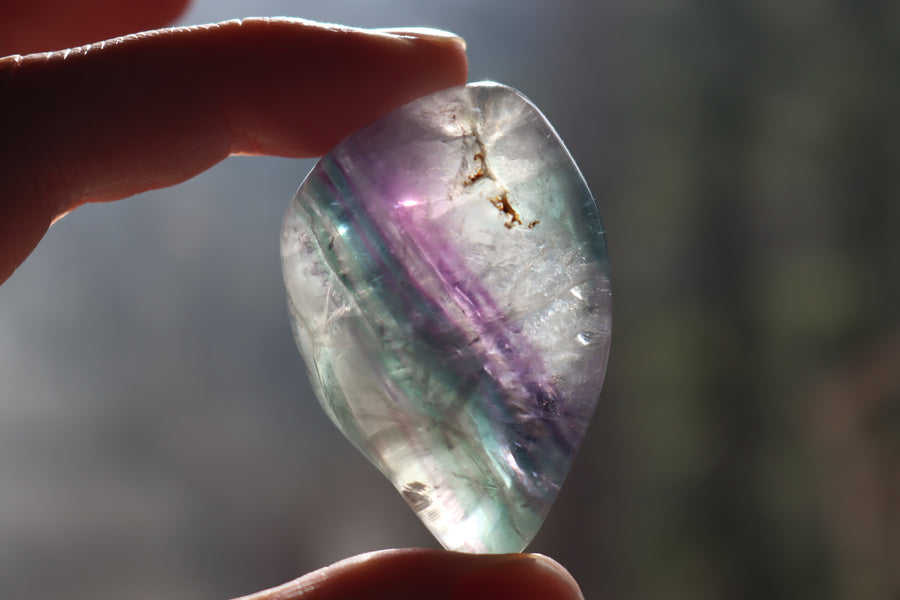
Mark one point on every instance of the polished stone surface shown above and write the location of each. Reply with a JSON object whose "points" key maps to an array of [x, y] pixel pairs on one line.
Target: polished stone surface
{"points": [[449, 289]]}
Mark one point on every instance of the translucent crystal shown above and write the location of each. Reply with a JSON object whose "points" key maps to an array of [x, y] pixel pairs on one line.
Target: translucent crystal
{"points": [[449, 290]]}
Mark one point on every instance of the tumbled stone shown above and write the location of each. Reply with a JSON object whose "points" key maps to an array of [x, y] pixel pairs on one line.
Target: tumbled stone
{"points": [[449, 290]]}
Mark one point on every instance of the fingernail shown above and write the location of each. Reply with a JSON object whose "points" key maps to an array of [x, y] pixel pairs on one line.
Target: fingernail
{"points": [[525, 577], [424, 33]]}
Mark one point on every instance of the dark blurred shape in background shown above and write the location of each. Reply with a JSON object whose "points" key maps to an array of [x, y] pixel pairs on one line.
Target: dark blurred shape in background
{"points": [[158, 438]]}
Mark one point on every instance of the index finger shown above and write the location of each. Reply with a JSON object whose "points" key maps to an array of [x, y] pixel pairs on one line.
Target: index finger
{"points": [[149, 110]]}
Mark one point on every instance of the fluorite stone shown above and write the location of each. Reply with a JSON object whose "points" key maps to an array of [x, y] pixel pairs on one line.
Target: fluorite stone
{"points": [[449, 291]]}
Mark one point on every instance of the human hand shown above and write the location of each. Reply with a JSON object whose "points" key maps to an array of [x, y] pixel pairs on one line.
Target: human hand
{"points": [[109, 120]]}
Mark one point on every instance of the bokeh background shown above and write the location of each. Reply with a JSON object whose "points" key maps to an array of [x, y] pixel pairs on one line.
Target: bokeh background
{"points": [[158, 437]]}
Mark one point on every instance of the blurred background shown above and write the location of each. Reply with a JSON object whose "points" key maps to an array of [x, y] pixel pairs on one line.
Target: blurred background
{"points": [[158, 437]]}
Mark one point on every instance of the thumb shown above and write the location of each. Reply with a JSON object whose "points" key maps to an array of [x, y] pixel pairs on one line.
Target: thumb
{"points": [[413, 574]]}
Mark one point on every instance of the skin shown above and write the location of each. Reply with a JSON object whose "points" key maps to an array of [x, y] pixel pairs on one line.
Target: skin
{"points": [[108, 120]]}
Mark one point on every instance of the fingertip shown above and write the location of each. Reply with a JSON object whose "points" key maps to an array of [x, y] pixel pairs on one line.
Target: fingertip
{"points": [[445, 51], [519, 577], [556, 571], [434, 574], [452, 45], [428, 34], [357, 76]]}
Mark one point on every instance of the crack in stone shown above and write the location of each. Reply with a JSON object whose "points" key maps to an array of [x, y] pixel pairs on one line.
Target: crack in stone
{"points": [[501, 201]]}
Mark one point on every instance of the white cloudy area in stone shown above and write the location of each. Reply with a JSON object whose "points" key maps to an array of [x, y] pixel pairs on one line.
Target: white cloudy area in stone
{"points": [[158, 434]]}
